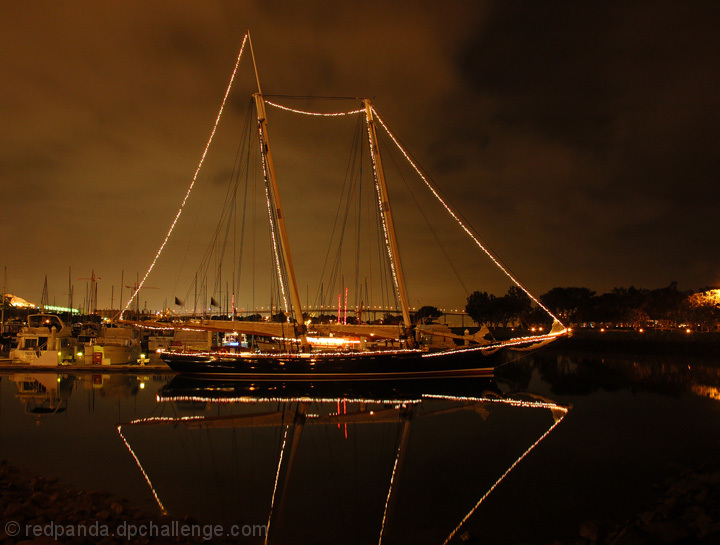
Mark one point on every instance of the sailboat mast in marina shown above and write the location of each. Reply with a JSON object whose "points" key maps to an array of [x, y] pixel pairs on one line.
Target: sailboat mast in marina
{"points": [[296, 350]]}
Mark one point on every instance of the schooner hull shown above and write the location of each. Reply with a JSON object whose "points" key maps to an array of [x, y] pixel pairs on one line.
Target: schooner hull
{"points": [[351, 366]]}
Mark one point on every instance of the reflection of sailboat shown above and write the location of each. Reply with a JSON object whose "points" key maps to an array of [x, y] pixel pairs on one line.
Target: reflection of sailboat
{"points": [[292, 491], [42, 393], [362, 350]]}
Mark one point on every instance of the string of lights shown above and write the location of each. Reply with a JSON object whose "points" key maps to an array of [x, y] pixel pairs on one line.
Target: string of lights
{"points": [[194, 179], [378, 193], [459, 221], [319, 114], [276, 251]]}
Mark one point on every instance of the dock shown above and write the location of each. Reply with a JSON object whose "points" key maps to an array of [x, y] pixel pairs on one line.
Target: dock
{"points": [[7, 364]]}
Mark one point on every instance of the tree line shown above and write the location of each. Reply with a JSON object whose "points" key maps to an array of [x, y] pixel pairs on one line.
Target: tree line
{"points": [[666, 307]]}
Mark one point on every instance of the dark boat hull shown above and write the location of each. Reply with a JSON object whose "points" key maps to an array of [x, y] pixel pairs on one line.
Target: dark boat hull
{"points": [[349, 366], [187, 388]]}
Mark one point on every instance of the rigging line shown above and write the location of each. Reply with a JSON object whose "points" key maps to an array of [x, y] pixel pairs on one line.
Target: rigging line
{"points": [[271, 216], [427, 222], [337, 265], [358, 232], [381, 205], [384, 272], [346, 188], [249, 131], [197, 170], [319, 114], [396, 293], [215, 248], [312, 97], [226, 216], [460, 222]]}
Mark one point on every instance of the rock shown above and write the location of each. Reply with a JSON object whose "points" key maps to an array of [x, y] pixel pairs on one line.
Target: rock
{"points": [[13, 509], [630, 536], [590, 530], [647, 517], [42, 540], [39, 498], [671, 531]]}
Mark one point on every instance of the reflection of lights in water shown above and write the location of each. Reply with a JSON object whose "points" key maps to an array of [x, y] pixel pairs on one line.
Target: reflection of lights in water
{"points": [[277, 479], [389, 495], [516, 462], [706, 391], [558, 412], [147, 478], [278, 399]]}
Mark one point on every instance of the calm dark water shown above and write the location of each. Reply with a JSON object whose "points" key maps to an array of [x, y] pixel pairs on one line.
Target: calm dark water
{"points": [[380, 462]]}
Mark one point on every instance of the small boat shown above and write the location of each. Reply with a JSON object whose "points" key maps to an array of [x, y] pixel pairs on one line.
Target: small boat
{"points": [[112, 345], [46, 340], [294, 349]]}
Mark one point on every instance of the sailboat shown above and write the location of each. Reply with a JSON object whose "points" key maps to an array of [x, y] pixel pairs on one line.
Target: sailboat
{"points": [[341, 350]]}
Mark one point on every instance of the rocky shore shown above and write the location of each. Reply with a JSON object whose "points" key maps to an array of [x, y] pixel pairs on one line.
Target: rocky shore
{"points": [[687, 512], [40, 511]]}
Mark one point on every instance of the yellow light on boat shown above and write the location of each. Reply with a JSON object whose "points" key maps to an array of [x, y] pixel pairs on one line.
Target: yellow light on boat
{"points": [[142, 356], [58, 379], [331, 341], [79, 355], [142, 385]]}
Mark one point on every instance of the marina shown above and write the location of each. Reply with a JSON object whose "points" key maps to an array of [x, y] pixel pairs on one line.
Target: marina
{"points": [[378, 274]]}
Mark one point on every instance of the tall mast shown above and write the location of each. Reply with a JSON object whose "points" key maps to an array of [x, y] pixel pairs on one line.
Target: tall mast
{"points": [[279, 217], [4, 290], [388, 226]]}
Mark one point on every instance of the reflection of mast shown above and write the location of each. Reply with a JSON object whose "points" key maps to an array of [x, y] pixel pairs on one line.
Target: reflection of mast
{"points": [[391, 501], [282, 477]]}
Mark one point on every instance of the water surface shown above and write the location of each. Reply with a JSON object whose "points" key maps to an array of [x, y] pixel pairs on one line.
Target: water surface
{"points": [[377, 462]]}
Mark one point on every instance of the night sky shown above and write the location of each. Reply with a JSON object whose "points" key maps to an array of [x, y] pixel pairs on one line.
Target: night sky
{"points": [[580, 139]]}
